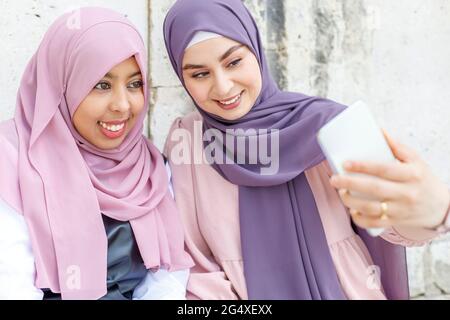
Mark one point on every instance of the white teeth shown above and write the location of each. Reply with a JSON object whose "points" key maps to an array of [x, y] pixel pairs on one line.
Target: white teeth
{"points": [[113, 128], [230, 101]]}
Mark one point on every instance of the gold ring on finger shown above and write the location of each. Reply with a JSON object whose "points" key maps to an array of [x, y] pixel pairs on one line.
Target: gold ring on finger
{"points": [[384, 210]]}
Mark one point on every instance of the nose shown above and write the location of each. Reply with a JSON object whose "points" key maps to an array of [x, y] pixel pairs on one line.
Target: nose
{"points": [[223, 85], [120, 102]]}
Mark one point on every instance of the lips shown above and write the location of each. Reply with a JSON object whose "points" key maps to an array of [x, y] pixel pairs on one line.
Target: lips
{"points": [[230, 103], [113, 129]]}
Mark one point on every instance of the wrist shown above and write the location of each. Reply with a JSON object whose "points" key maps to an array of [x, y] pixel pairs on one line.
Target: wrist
{"points": [[444, 226]]}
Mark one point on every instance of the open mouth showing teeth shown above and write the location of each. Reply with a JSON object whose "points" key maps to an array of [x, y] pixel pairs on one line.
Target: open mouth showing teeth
{"points": [[231, 101], [113, 127]]}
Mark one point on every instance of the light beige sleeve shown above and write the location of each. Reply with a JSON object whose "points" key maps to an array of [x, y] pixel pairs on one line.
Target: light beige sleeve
{"points": [[207, 279]]}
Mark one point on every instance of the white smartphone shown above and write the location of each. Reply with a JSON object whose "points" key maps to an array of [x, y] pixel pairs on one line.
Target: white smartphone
{"points": [[354, 135]]}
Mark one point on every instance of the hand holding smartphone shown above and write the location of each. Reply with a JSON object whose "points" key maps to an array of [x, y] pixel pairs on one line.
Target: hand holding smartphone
{"points": [[354, 135]]}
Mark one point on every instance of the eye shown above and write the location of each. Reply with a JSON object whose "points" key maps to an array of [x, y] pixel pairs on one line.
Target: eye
{"points": [[136, 84], [102, 86], [234, 63], [200, 75]]}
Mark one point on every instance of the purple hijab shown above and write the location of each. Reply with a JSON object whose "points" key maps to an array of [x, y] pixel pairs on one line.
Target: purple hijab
{"points": [[284, 247]]}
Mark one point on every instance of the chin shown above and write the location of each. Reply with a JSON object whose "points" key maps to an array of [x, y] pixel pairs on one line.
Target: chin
{"points": [[109, 145], [238, 113]]}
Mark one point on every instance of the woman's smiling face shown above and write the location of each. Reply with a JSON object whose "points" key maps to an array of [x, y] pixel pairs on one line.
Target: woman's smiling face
{"points": [[222, 76], [110, 111]]}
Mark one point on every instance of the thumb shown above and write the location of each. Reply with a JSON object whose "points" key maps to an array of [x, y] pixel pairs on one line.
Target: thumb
{"points": [[400, 151]]}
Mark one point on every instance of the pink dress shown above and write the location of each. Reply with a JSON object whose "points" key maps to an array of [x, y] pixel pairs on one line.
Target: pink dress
{"points": [[209, 208]]}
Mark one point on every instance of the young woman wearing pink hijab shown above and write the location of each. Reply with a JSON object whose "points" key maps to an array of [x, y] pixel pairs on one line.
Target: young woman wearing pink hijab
{"points": [[85, 208]]}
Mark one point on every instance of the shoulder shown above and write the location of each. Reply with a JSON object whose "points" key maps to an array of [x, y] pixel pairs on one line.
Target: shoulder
{"points": [[181, 128], [187, 121]]}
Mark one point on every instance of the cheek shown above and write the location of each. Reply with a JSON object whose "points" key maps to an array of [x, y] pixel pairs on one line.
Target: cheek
{"points": [[138, 104], [85, 123], [89, 111], [198, 91], [251, 79]]}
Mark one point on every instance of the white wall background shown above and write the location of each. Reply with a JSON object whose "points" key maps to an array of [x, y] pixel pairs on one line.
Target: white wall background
{"points": [[392, 54], [22, 26]]}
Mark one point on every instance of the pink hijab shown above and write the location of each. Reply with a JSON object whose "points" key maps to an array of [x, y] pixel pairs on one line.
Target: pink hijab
{"points": [[65, 182]]}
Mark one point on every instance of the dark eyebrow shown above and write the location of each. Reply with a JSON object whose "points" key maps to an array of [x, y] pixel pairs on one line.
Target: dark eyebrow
{"points": [[230, 51], [223, 57], [109, 75], [193, 66]]}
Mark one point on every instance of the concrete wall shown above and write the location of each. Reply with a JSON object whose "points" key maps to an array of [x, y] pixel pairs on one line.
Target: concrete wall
{"points": [[391, 54], [22, 26]]}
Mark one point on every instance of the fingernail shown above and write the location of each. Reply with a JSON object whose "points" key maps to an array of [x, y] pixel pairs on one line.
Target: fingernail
{"points": [[348, 165], [343, 192]]}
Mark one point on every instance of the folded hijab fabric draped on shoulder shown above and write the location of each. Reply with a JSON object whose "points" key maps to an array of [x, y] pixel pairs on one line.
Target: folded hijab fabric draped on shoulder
{"points": [[65, 182], [283, 242]]}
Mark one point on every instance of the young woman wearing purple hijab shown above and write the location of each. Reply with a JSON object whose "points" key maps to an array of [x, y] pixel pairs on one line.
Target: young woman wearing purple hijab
{"points": [[258, 233]]}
